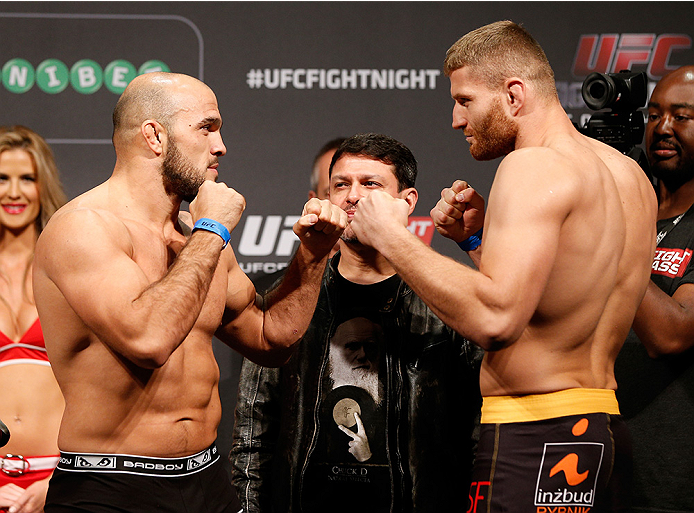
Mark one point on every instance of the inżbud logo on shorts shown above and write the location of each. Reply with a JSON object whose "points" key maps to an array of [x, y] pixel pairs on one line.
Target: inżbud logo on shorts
{"points": [[568, 474]]}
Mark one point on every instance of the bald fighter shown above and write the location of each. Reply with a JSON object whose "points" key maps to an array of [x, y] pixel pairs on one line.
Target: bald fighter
{"points": [[130, 296], [565, 261]]}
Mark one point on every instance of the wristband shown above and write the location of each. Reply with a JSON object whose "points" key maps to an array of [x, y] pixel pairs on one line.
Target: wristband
{"points": [[214, 227], [472, 242]]}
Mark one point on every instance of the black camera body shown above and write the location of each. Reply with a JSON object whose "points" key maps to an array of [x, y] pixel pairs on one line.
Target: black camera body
{"points": [[623, 126]]}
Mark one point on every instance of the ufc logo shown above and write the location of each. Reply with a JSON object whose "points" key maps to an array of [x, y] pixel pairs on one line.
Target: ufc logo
{"points": [[276, 233], [611, 53], [276, 236]]}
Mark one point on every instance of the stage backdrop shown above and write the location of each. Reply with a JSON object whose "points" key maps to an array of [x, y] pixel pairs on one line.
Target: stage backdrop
{"points": [[289, 76]]}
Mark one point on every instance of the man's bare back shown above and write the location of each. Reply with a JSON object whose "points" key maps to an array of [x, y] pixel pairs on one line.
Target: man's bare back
{"points": [[594, 276]]}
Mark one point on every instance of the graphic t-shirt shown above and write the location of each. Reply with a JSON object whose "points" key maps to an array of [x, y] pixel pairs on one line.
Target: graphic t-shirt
{"points": [[656, 396], [349, 468]]}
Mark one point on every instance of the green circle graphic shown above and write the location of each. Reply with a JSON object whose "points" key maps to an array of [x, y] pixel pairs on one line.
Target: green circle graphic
{"points": [[86, 76], [52, 76], [18, 75], [153, 65], [118, 75]]}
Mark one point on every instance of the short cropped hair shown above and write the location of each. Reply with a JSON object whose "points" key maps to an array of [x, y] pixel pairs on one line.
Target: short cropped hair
{"points": [[148, 99], [384, 149], [51, 193], [331, 145], [499, 51], [134, 107]]}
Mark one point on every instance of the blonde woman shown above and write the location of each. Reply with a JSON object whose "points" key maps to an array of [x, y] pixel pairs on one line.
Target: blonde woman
{"points": [[30, 401]]}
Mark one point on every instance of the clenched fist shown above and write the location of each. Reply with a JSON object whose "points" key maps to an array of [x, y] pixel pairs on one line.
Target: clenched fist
{"points": [[218, 202], [459, 213], [320, 226]]}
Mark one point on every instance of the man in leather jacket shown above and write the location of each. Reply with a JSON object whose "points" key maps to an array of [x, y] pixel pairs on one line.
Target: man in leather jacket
{"points": [[377, 408]]}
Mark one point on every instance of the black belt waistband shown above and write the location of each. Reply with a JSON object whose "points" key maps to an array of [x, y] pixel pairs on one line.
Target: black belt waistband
{"points": [[143, 465]]}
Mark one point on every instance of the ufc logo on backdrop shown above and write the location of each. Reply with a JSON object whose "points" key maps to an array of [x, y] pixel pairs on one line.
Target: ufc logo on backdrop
{"points": [[611, 53], [275, 234], [257, 240]]}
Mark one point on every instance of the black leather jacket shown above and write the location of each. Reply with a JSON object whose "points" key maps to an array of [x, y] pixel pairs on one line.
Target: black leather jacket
{"points": [[434, 401]]}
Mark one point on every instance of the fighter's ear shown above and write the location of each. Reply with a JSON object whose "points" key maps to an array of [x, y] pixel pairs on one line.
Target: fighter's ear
{"points": [[410, 195], [515, 91], [154, 135]]}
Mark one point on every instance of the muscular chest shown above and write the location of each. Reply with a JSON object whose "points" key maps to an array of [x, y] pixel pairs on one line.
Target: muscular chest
{"points": [[153, 253]]}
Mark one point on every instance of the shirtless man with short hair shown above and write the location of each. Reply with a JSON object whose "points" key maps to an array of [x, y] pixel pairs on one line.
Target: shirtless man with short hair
{"points": [[565, 260], [129, 301]]}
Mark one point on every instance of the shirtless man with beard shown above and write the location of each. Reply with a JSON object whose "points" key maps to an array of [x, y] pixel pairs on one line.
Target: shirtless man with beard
{"points": [[565, 260], [130, 298]]}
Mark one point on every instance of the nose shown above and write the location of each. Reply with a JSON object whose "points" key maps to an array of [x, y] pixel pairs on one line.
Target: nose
{"points": [[14, 190], [218, 149], [459, 120], [360, 354], [664, 125], [354, 194]]}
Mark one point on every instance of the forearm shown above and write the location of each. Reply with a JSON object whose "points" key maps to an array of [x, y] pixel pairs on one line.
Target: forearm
{"points": [[289, 307], [266, 332], [465, 299], [663, 324], [170, 306]]}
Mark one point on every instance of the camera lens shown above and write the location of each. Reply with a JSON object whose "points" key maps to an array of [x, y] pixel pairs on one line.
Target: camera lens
{"points": [[599, 91]]}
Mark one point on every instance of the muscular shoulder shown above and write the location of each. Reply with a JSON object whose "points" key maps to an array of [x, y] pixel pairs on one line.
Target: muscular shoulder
{"points": [[537, 176], [541, 164], [631, 180], [77, 230]]}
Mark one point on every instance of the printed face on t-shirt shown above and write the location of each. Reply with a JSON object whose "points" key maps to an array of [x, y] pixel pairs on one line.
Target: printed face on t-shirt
{"points": [[355, 354]]}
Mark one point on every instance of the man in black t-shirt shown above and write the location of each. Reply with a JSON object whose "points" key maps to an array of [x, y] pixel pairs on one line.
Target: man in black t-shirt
{"points": [[655, 369], [376, 409]]}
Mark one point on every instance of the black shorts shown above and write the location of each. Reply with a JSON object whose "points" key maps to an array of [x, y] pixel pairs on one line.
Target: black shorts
{"points": [[138, 488], [577, 462]]}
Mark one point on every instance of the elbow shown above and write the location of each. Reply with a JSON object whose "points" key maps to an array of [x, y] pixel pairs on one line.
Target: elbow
{"points": [[496, 332], [664, 342], [274, 355], [494, 342], [149, 360], [145, 354], [150, 363], [271, 357], [656, 349], [276, 347]]}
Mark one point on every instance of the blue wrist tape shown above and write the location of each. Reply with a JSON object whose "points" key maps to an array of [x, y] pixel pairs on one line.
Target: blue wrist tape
{"points": [[214, 227], [472, 242]]}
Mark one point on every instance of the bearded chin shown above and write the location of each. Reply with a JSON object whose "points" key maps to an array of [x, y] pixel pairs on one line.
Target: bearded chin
{"points": [[496, 136], [491, 151], [179, 176]]}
